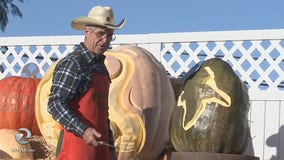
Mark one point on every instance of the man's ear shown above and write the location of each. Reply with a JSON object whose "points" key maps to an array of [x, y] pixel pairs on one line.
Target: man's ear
{"points": [[87, 31]]}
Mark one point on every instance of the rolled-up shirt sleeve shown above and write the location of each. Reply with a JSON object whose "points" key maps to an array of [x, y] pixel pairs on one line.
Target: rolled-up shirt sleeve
{"points": [[65, 86]]}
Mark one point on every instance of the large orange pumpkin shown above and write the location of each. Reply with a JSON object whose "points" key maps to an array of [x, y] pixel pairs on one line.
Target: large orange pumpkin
{"points": [[17, 103]]}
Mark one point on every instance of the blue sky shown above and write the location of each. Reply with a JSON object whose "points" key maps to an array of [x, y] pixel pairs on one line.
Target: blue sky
{"points": [[53, 17]]}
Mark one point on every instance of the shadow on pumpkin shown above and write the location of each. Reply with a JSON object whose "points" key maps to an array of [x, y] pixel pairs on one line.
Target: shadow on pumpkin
{"points": [[277, 141], [156, 145], [250, 148]]}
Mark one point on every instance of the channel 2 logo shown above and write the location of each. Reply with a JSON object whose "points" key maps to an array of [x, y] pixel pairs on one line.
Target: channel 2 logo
{"points": [[20, 137]]}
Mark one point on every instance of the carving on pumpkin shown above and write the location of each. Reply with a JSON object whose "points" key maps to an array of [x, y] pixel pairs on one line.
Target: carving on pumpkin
{"points": [[210, 81], [128, 126], [219, 129]]}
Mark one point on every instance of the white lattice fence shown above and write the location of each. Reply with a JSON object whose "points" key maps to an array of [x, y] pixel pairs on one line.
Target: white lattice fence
{"points": [[261, 67], [256, 56]]}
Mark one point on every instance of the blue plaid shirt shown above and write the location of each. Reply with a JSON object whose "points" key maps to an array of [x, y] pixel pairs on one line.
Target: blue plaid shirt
{"points": [[72, 77]]}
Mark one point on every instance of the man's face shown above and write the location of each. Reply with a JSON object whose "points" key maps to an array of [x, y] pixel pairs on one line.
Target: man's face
{"points": [[98, 39]]}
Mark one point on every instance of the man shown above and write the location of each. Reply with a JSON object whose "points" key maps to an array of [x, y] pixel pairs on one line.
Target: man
{"points": [[79, 92]]}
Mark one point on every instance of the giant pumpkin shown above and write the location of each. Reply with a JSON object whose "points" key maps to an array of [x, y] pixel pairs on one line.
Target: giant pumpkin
{"points": [[141, 99], [17, 103], [212, 111], [49, 128]]}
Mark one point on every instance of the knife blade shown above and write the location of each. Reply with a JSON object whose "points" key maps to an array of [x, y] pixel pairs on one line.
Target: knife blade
{"points": [[106, 144]]}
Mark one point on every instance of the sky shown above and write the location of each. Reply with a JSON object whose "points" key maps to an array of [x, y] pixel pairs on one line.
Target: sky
{"points": [[53, 17]]}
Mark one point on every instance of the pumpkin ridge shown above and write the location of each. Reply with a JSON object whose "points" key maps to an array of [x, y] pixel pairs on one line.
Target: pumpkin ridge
{"points": [[17, 103]]}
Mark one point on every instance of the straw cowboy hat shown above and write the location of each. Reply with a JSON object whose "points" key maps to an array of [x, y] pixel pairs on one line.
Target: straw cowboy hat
{"points": [[98, 16]]}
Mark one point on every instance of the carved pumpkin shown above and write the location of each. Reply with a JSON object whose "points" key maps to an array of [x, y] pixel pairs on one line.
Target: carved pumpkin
{"points": [[10, 149], [141, 99], [212, 111], [17, 103]]}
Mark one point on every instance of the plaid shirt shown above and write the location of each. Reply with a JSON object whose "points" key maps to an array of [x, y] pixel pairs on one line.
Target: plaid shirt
{"points": [[72, 77]]}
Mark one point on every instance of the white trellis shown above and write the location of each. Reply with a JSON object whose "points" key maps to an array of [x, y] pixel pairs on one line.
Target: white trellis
{"points": [[257, 56]]}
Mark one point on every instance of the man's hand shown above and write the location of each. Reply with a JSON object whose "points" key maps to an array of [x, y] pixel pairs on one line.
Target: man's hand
{"points": [[90, 136]]}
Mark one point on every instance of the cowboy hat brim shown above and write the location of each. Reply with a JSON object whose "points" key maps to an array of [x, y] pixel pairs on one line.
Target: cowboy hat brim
{"points": [[81, 22]]}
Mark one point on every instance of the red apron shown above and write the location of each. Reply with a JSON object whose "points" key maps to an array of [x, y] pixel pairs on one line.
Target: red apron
{"points": [[92, 108]]}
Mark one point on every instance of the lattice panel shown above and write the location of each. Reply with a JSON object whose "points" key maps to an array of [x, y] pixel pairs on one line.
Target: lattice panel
{"points": [[259, 63], [28, 61]]}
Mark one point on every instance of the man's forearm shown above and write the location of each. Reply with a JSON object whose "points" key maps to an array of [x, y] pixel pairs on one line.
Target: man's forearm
{"points": [[65, 117]]}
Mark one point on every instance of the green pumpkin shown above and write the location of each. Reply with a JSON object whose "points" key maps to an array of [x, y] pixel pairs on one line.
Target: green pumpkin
{"points": [[212, 111]]}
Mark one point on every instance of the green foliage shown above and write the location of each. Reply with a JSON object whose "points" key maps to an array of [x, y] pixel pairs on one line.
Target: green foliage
{"points": [[8, 7]]}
